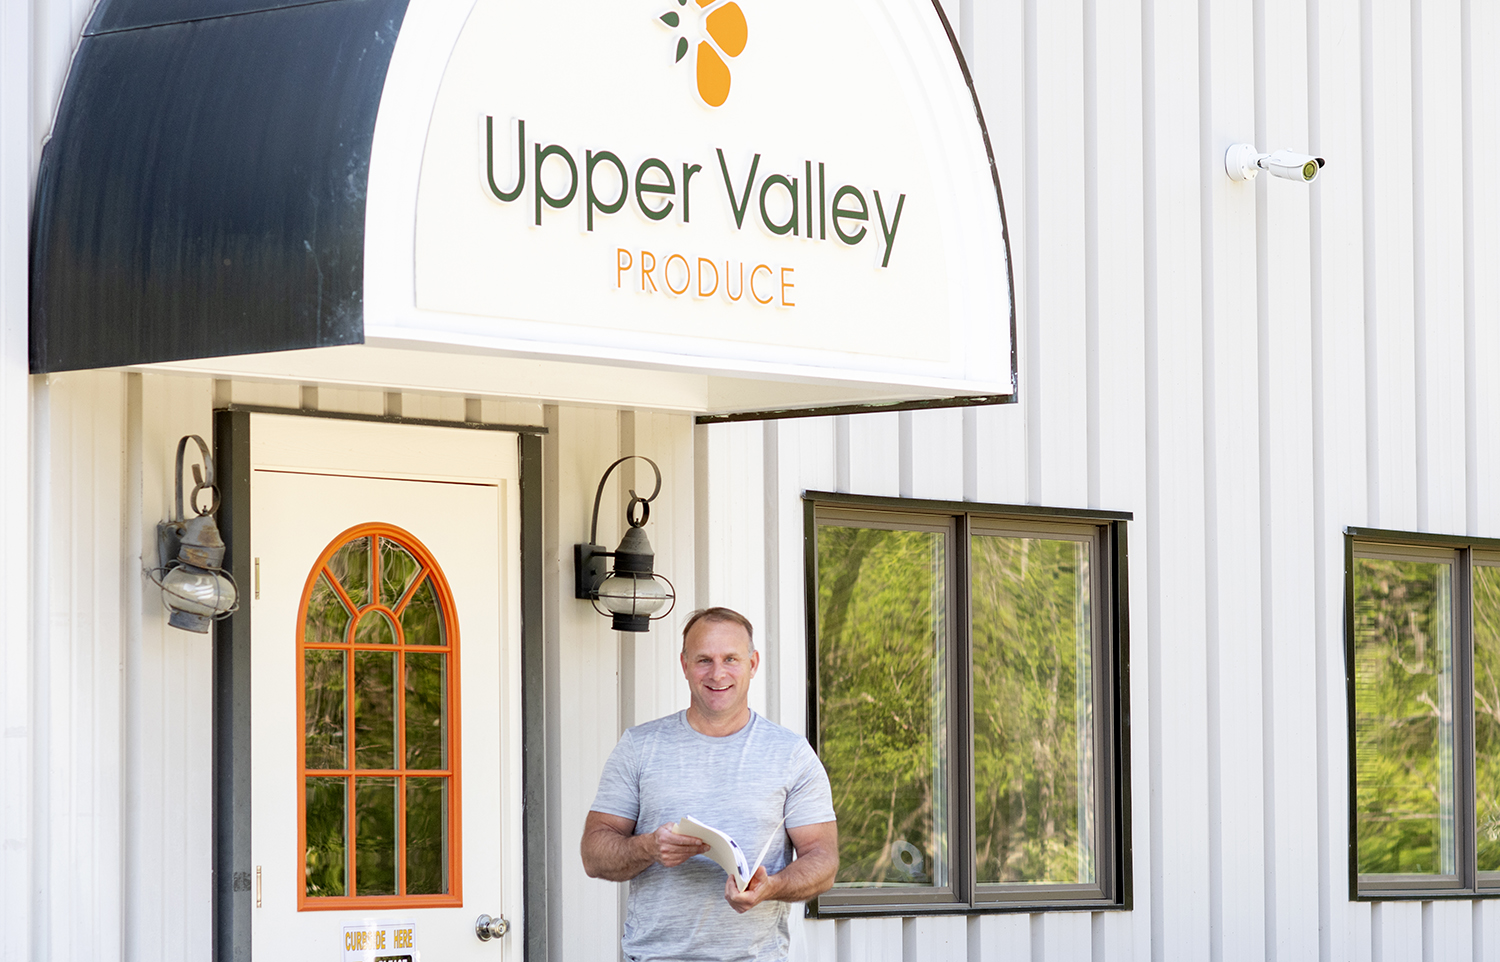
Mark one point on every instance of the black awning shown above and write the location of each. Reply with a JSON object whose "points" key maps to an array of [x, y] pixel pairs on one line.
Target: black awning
{"points": [[203, 191]]}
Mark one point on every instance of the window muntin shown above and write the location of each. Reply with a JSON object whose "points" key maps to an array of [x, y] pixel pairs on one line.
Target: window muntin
{"points": [[378, 699], [1026, 710], [1422, 616]]}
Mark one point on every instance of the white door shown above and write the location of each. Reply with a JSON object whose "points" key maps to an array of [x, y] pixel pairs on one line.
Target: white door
{"points": [[385, 690]]}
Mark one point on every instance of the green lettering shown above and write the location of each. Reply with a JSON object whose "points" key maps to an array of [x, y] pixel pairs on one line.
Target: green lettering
{"points": [[791, 188], [889, 233], [807, 179], [541, 155], [739, 209], [489, 160], [839, 211], [642, 187], [590, 161], [822, 206], [688, 170]]}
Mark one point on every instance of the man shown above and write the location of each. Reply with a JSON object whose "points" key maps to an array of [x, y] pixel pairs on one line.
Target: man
{"points": [[728, 767]]}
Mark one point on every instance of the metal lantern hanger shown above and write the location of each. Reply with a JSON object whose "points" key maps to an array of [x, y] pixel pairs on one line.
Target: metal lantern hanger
{"points": [[194, 585], [631, 594]]}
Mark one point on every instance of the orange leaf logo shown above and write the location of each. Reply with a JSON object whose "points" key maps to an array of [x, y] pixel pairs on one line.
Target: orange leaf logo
{"points": [[720, 32]]}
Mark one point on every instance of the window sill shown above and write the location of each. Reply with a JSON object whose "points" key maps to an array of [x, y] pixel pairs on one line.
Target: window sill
{"points": [[822, 909]]}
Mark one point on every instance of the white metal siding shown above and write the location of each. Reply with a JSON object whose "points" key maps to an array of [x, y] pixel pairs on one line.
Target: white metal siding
{"points": [[1249, 369]]}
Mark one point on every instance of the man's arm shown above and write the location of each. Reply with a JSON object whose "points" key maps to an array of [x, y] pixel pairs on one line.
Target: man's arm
{"points": [[612, 850], [810, 875]]}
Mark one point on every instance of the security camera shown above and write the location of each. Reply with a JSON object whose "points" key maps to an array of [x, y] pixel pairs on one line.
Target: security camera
{"points": [[1243, 162]]}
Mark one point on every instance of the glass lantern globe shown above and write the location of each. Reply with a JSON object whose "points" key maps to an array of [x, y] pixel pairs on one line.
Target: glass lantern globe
{"points": [[196, 596], [632, 598]]}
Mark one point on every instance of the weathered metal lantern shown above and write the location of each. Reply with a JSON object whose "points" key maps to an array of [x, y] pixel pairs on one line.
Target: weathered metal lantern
{"points": [[194, 585], [631, 593]]}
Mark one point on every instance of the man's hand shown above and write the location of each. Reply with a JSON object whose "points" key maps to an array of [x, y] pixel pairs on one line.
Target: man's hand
{"points": [[611, 849], [761, 887], [671, 849], [817, 848]]}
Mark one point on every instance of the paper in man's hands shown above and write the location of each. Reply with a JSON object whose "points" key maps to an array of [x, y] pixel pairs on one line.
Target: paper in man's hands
{"points": [[725, 850]]}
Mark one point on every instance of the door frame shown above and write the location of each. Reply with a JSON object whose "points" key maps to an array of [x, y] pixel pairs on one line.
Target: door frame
{"points": [[233, 875]]}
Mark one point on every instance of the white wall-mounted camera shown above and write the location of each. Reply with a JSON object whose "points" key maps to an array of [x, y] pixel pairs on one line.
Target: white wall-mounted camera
{"points": [[1243, 162]]}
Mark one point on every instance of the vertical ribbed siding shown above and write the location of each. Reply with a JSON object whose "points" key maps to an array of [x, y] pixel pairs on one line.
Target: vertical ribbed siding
{"points": [[17, 733], [168, 751], [36, 42], [1249, 368]]}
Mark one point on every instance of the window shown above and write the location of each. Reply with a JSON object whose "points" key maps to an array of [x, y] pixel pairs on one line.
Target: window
{"points": [[968, 701], [378, 644], [1423, 677]]}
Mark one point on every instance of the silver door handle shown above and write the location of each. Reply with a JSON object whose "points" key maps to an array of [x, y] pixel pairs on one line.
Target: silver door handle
{"points": [[487, 928]]}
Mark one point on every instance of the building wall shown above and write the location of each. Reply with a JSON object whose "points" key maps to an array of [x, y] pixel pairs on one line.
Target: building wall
{"points": [[36, 42], [1249, 368]]}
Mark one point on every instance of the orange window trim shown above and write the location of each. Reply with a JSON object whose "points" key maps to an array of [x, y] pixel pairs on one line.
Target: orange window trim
{"points": [[430, 571]]}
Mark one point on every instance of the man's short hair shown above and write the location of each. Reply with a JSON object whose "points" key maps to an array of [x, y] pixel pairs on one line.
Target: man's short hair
{"points": [[721, 615]]}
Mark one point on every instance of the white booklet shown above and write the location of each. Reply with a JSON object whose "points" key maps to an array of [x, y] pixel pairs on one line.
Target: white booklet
{"points": [[725, 850]]}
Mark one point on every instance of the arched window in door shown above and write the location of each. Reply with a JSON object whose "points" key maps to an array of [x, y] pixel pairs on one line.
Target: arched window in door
{"points": [[378, 786]]}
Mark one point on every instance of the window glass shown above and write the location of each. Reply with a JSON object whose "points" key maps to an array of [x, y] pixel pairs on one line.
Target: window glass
{"points": [[882, 701], [426, 710], [1487, 714], [1403, 716], [375, 836], [1032, 637], [421, 619], [324, 820], [323, 711], [397, 569], [380, 812], [374, 709], [426, 836], [351, 568]]}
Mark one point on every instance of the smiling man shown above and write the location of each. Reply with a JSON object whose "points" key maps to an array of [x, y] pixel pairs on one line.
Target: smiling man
{"points": [[728, 767]]}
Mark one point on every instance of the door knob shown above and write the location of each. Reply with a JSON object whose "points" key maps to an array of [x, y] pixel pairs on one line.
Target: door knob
{"points": [[487, 928]]}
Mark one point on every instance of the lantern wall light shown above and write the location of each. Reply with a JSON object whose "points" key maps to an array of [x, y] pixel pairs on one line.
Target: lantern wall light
{"points": [[630, 593], [195, 588]]}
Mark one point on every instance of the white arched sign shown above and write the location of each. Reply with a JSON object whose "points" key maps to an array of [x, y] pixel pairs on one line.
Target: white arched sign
{"points": [[760, 187]]}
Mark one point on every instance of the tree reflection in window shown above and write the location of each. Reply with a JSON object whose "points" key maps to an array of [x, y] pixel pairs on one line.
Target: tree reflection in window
{"points": [[1403, 718], [882, 691]]}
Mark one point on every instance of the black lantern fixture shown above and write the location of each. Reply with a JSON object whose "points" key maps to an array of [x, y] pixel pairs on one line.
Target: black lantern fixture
{"points": [[194, 585], [630, 593]]}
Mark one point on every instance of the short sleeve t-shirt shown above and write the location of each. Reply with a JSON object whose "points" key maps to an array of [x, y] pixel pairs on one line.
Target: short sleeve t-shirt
{"points": [[741, 784]]}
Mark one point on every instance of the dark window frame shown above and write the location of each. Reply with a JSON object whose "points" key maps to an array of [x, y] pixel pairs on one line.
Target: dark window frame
{"points": [[1468, 883], [963, 896]]}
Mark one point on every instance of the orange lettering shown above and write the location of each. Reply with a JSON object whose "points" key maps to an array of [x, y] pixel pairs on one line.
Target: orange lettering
{"points": [[758, 298], [646, 271], [734, 297], [666, 274], [713, 267], [786, 284], [620, 268]]}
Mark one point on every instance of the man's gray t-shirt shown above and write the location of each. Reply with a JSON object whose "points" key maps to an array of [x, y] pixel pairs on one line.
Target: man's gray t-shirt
{"points": [[741, 784]]}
